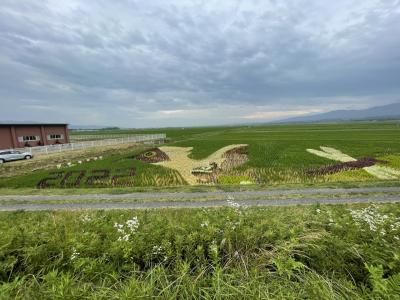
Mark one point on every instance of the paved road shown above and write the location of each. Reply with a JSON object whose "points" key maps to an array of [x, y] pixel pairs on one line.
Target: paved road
{"points": [[197, 195], [198, 204]]}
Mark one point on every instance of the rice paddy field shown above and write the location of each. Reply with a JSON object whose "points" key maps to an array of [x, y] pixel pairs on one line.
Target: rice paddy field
{"points": [[275, 155]]}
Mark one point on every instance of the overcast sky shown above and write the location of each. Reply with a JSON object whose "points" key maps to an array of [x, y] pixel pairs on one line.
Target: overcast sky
{"points": [[178, 63]]}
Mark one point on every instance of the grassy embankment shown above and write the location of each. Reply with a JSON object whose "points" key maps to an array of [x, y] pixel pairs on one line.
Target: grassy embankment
{"points": [[316, 252]]}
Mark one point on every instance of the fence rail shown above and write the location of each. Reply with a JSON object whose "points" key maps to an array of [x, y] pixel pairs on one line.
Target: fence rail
{"points": [[154, 138], [94, 137]]}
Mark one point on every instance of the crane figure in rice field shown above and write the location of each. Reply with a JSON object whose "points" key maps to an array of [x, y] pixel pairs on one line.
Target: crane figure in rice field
{"points": [[179, 160], [381, 172]]}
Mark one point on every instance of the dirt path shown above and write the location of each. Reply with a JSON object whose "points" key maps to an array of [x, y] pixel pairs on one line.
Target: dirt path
{"points": [[197, 204], [195, 195], [250, 198]]}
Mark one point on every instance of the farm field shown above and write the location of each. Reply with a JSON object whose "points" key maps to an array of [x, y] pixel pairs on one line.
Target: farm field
{"points": [[83, 245], [308, 252], [265, 156]]}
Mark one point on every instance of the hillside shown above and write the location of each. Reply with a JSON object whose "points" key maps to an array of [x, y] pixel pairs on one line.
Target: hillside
{"points": [[390, 111]]}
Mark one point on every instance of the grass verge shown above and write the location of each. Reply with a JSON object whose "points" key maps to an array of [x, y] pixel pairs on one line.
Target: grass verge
{"points": [[316, 252]]}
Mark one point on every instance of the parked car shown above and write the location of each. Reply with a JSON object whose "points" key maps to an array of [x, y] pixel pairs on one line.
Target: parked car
{"points": [[9, 155]]}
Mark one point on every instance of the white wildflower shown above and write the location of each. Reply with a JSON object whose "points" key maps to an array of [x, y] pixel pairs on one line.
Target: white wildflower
{"points": [[375, 220], [318, 211], [234, 204], [127, 229], [133, 224], [213, 249], [86, 219], [74, 254], [205, 224], [396, 225], [79, 162], [157, 250], [59, 166], [125, 237]]}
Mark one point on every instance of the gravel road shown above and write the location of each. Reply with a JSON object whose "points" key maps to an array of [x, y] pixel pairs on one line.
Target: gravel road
{"points": [[198, 204], [196, 195]]}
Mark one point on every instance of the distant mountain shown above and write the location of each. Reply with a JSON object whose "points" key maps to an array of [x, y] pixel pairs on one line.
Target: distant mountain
{"points": [[18, 122], [390, 111]]}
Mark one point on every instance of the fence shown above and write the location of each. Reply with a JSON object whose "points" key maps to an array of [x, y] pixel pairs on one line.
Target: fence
{"points": [[148, 138], [94, 137]]}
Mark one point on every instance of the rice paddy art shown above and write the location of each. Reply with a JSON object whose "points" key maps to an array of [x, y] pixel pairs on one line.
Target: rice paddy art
{"points": [[349, 163], [152, 156], [90, 178], [205, 170]]}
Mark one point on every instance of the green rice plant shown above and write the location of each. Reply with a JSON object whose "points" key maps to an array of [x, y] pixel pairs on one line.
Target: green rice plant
{"points": [[119, 170], [392, 160], [351, 175], [277, 153], [232, 179]]}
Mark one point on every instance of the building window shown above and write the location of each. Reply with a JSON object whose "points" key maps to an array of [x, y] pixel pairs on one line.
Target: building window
{"points": [[27, 138], [55, 137]]}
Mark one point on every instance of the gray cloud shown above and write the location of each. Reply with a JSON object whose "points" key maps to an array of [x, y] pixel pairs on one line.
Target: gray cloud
{"points": [[158, 63]]}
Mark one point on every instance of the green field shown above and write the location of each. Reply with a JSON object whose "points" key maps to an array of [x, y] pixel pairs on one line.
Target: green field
{"points": [[277, 156], [112, 170], [316, 252]]}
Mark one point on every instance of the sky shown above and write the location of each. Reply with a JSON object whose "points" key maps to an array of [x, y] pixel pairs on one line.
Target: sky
{"points": [[160, 63]]}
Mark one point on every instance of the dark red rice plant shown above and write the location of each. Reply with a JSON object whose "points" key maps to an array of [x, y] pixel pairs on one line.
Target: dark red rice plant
{"points": [[346, 166]]}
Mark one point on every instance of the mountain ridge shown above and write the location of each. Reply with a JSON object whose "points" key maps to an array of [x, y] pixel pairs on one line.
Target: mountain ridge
{"points": [[389, 111]]}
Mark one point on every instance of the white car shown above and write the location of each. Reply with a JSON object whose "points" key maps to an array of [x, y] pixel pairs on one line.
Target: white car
{"points": [[9, 155]]}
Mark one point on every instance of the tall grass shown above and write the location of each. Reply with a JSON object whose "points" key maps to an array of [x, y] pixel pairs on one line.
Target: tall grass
{"points": [[318, 252]]}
